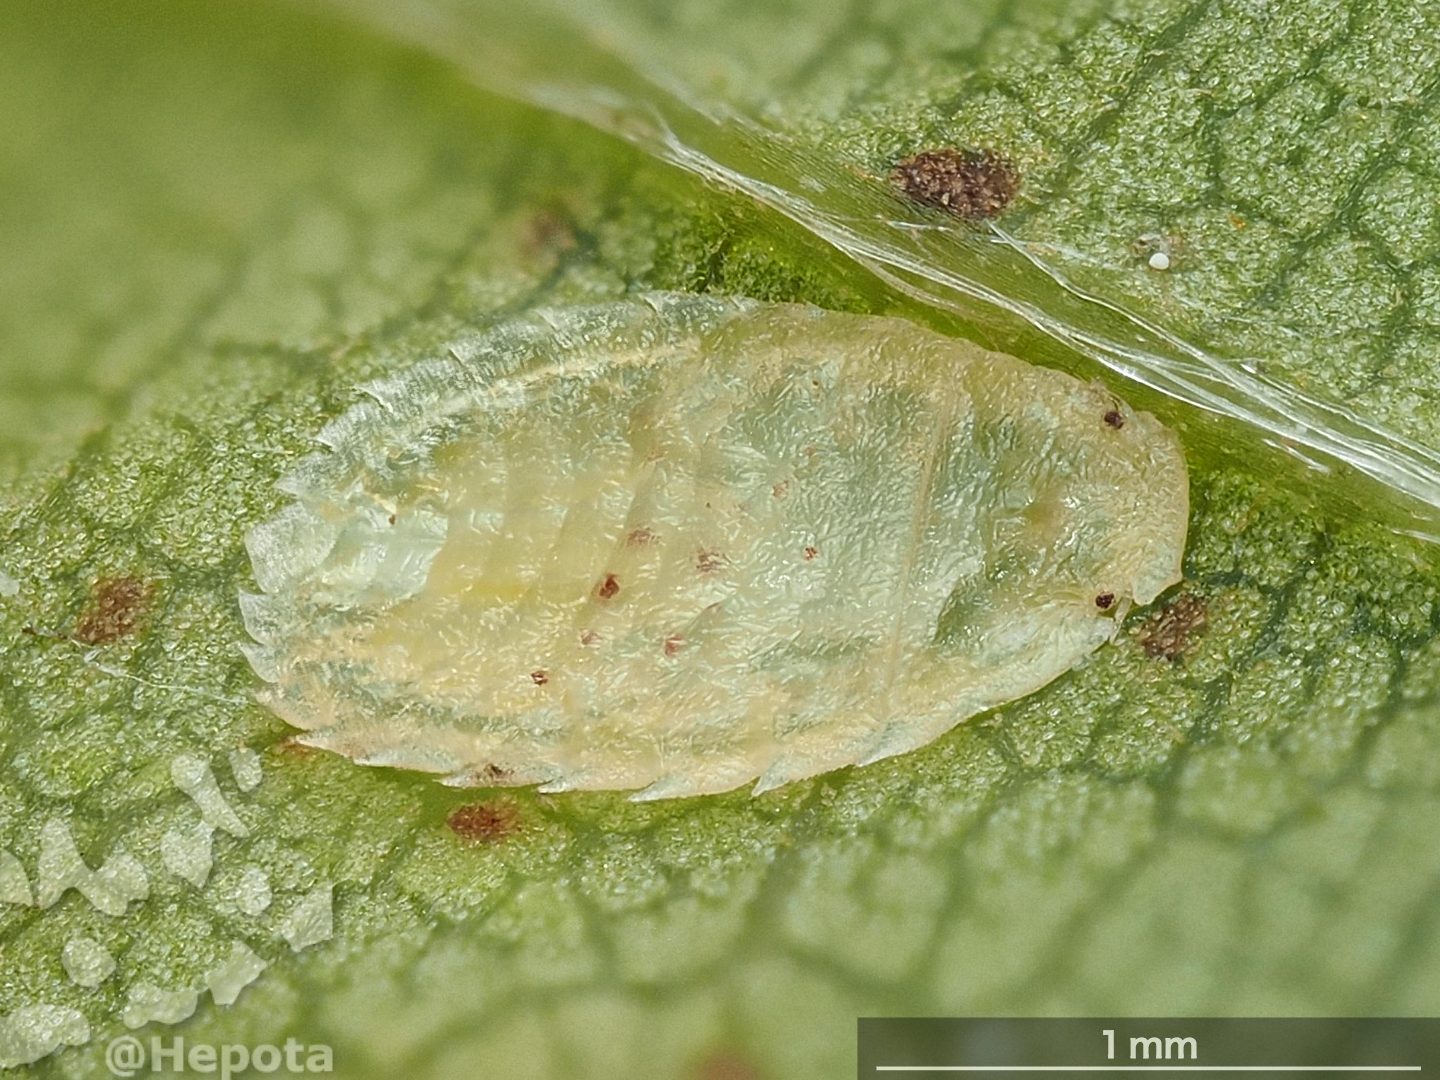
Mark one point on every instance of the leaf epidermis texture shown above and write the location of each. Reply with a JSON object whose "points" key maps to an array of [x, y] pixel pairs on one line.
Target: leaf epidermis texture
{"points": [[1227, 814]]}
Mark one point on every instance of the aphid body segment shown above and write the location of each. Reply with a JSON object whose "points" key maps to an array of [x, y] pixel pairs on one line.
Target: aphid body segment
{"points": [[677, 543]]}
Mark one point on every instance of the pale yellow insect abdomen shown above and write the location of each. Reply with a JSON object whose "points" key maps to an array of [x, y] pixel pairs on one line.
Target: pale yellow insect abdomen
{"points": [[678, 544]]}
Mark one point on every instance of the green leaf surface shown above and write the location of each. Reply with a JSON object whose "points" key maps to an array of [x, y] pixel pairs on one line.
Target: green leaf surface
{"points": [[216, 222]]}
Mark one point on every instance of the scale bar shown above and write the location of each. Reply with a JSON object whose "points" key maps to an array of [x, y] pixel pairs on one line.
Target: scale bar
{"points": [[1147, 1068]]}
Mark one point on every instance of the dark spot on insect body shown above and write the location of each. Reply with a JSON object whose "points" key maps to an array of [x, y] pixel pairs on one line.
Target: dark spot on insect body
{"points": [[1168, 633], [972, 184], [539, 676], [1104, 601], [391, 519], [494, 772], [608, 588], [116, 606], [1115, 418], [811, 552], [708, 562], [486, 822]]}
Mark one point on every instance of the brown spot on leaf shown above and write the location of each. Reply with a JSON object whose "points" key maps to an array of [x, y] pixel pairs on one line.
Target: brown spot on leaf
{"points": [[640, 537], [485, 822], [548, 231], [1115, 418], [781, 489], [540, 676], [494, 772], [725, 1065], [1104, 600], [1169, 632], [973, 184], [294, 748], [811, 552], [673, 644], [608, 588], [589, 637], [116, 607], [708, 562]]}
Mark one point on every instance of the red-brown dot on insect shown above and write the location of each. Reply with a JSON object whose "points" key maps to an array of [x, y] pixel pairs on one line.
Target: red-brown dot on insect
{"points": [[673, 644], [608, 588], [540, 676], [1104, 600], [811, 552], [1115, 419], [708, 562]]}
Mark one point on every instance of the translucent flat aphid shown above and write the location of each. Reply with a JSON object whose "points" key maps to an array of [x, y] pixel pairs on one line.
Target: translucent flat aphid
{"points": [[679, 543]]}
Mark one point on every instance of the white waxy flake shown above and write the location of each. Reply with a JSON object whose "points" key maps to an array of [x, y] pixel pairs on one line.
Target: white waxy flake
{"points": [[192, 775], [86, 961], [252, 891], [8, 585], [60, 866], [1159, 261], [119, 880], [14, 885], [186, 851], [245, 767], [676, 544], [148, 1003], [237, 971], [36, 1031], [311, 921]]}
